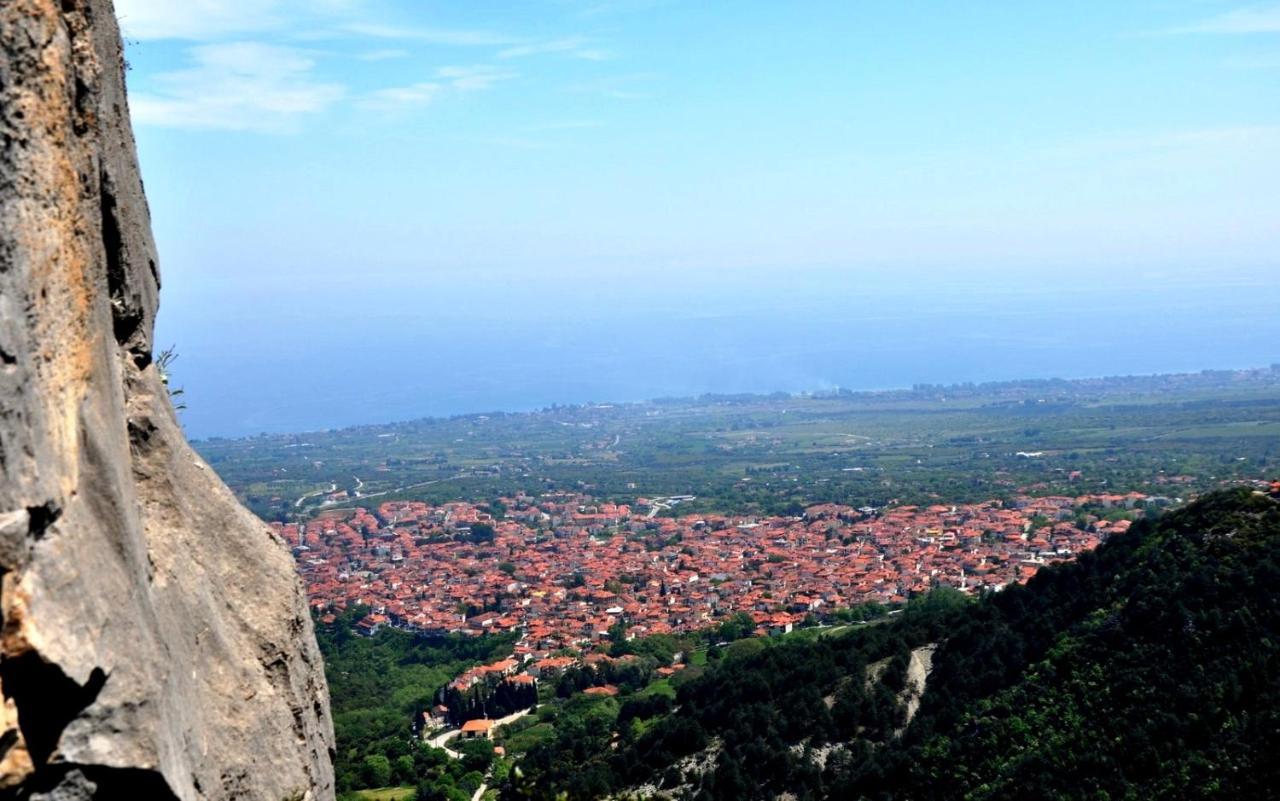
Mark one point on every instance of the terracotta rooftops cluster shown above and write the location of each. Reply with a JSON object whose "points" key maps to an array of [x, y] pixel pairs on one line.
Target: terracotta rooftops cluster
{"points": [[565, 571]]}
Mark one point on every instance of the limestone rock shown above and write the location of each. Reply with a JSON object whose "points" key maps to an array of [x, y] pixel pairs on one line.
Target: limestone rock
{"points": [[156, 642]]}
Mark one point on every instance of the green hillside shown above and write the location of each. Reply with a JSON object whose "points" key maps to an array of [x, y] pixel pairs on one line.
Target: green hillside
{"points": [[1147, 669]]}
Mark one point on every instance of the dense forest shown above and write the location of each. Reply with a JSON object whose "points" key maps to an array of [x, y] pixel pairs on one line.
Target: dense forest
{"points": [[1149, 668]]}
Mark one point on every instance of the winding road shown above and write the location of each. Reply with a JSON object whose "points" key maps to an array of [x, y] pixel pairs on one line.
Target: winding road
{"points": [[332, 488], [443, 737]]}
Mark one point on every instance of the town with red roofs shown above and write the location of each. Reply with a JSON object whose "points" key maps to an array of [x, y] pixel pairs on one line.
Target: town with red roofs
{"points": [[567, 572]]}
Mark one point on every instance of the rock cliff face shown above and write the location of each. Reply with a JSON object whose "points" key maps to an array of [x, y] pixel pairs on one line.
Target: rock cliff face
{"points": [[155, 641]]}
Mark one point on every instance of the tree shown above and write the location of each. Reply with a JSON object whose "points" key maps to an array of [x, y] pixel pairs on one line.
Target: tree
{"points": [[736, 627], [376, 771], [403, 770], [439, 790], [618, 636], [164, 363]]}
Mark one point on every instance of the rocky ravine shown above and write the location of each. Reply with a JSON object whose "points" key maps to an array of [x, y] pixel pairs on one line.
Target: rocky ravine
{"points": [[156, 642]]}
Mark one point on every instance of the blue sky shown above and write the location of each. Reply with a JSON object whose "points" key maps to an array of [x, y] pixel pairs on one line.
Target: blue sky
{"points": [[423, 161]]}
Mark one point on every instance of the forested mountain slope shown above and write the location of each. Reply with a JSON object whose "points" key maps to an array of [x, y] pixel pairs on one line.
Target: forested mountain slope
{"points": [[1147, 669]]}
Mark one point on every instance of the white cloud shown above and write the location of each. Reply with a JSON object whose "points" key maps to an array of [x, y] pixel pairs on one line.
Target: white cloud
{"points": [[457, 79], [623, 7], [633, 86], [575, 46], [1238, 157], [438, 36], [1237, 135], [467, 79], [515, 142], [538, 48], [564, 125], [236, 86], [1263, 18], [1261, 61], [209, 20], [398, 98], [195, 19], [383, 55], [1231, 137]]}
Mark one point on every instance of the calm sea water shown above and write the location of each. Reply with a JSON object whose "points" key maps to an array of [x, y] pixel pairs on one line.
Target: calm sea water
{"points": [[367, 349]]}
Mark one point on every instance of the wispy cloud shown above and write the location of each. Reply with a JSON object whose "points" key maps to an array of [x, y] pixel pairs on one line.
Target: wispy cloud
{"points": [[399, 98], [383, 55], [1236, 135], [456, 79], [539, 136], [436, 36], [265, 65], [1260, 61], [563, 125], [299, 20], [514, 142], [196, 19], [1262, 18], [1241, 139], [538, 48], [469, 79], [236, 86], [612, 7], [318, 20], [632, 86], [575, 46]]}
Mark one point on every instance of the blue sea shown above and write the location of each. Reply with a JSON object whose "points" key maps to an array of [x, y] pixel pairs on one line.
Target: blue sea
{"points": [[379, 346]]}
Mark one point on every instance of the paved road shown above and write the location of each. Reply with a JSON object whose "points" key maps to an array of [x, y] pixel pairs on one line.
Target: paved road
{"points": [[440, 739], [513, 717], [445, 736], [659, 504], [298, 503], [364, 496]]}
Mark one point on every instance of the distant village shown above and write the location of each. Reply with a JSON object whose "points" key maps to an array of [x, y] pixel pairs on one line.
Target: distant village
{"points": [[567, 572]]}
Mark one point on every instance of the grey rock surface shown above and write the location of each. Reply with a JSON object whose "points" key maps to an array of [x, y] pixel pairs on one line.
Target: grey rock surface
{"points": [[156, 642]]}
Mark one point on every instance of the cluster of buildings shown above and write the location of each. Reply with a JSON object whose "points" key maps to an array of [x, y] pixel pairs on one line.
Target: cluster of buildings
{"points": [[567, 572], [510, 686]]}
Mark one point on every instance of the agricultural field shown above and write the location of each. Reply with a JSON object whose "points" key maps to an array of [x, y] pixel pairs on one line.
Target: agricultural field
{"points": [[1170, 435]]}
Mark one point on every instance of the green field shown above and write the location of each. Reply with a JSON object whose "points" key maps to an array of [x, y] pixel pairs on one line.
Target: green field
{"points": [[387, 794], [660, 687], [1162, 435]]}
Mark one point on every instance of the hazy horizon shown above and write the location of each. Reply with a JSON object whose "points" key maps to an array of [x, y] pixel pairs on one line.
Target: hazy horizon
{"points": [[661, 398], [417, 356], [371, 210]]}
